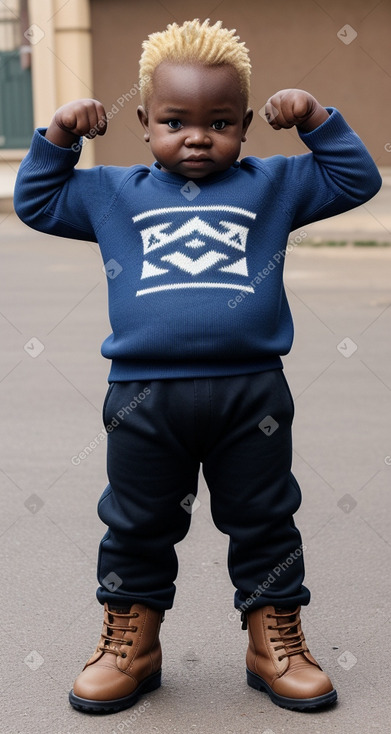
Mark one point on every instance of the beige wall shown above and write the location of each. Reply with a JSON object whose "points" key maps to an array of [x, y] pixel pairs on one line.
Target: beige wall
{"points": [[59, 40], [292, 44], [61, 58], [8, 12]]}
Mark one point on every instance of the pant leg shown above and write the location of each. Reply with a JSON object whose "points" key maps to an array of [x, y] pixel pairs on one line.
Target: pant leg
{"points": [[152, 466], [254, 495]]}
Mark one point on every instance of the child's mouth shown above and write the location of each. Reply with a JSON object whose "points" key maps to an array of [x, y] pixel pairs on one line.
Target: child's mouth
{"points": [[195, 161]]}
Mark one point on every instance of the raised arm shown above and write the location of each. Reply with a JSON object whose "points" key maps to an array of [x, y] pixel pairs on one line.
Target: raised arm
{"points": [[81, 118], [295, 107], [339, 173], [49, 194]]}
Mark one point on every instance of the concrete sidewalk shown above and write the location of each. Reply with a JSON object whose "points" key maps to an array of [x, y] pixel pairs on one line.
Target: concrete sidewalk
{"points": [[52, 384], [370, 221]]}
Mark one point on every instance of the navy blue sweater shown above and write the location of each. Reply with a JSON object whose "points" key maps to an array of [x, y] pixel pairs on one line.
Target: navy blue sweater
{"points": [[195, 268]]}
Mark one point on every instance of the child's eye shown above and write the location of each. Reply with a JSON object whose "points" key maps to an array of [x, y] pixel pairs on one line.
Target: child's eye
{"points": [[174, 124], [219, 124]]}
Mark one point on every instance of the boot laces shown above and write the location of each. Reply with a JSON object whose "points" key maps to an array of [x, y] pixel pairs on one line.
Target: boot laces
{"points": [[110, 639], [291, 638]]}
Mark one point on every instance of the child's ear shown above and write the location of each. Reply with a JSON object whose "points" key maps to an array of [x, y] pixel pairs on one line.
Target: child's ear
{"points": [[142, 115], [246, 123]]}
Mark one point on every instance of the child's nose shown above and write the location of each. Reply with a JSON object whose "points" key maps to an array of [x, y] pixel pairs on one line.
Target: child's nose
{"points": [[198, 136]]}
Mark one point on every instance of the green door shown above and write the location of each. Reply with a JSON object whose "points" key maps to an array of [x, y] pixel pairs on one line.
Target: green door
{"points": [[16, 107]]}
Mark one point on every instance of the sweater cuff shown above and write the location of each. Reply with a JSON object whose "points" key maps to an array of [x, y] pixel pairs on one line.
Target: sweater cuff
{"points": [[334, 127], [49, 156]]}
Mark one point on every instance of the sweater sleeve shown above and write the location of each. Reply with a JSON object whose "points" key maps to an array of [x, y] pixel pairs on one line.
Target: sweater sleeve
{"points": [[339, 173], [53, 197]]}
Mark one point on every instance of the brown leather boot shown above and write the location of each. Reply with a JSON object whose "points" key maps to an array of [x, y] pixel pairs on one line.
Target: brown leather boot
{"points": [[126, 663], [279, 662]]}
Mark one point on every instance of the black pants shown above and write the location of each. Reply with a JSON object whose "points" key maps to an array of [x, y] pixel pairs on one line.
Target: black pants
{"points": [[159, 433]]}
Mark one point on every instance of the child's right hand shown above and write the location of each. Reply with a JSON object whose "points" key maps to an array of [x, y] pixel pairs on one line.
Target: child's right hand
{"points": [[81, 118]]}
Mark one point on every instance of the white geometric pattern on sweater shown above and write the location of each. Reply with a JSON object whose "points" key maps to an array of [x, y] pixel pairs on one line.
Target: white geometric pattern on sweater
{"points": [[192, 236]]}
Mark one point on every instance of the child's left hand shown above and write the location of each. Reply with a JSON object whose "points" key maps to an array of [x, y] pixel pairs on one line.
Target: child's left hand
{"points": [[290, 107]]}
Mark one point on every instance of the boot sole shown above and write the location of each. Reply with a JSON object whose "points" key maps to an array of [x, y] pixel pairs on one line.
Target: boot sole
{"points": [[118, 704], [294, 704]]}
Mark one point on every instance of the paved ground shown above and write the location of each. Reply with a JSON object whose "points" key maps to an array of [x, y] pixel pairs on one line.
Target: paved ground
{"points": [[52, 383]]}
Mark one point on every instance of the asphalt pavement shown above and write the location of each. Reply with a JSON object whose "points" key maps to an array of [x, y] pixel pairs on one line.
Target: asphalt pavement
{"points": [[52, 384]]}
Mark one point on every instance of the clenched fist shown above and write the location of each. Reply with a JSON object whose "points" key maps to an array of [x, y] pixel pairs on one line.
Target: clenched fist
{"points": [[291, 107], [81, 118]]}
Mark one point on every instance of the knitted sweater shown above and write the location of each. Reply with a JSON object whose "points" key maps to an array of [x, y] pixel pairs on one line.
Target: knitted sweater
{"points": [[195, 268]]}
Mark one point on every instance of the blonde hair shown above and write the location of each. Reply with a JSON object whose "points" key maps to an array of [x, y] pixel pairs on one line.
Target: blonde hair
{"points": [[194, 42]]}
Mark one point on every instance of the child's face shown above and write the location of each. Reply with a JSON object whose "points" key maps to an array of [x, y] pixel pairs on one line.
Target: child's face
{"points": [[196, 120]]}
